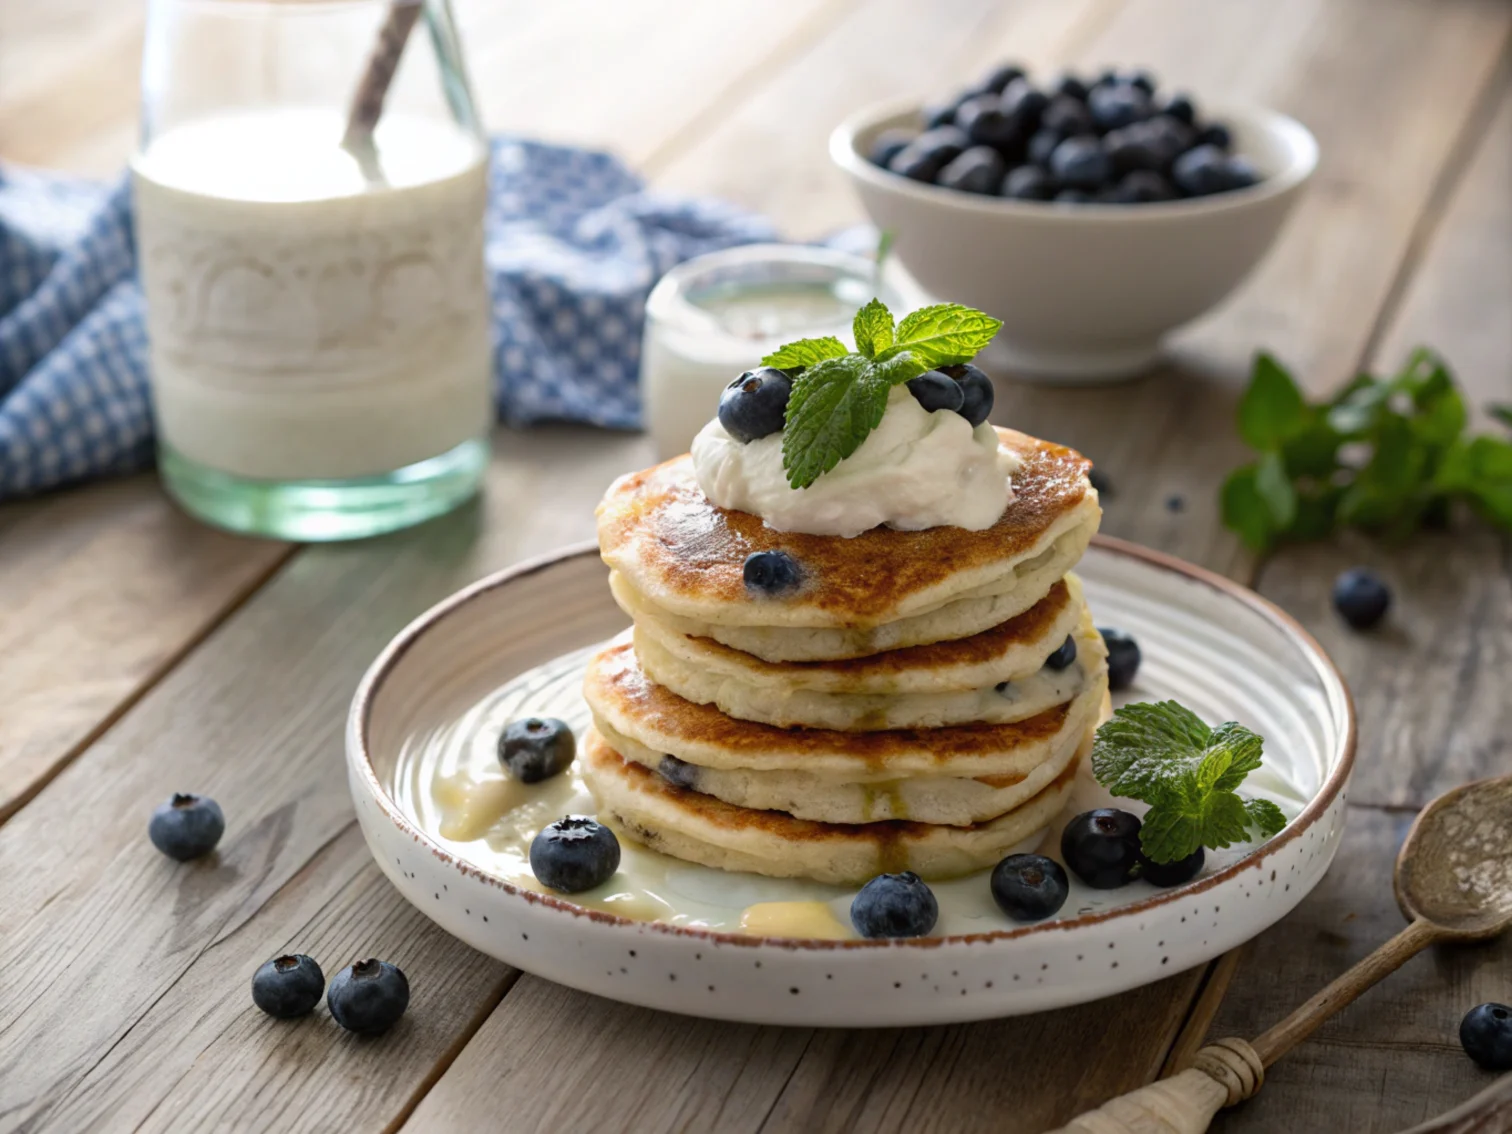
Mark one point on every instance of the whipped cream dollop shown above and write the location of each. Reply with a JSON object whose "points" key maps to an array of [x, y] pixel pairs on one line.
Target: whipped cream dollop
{"points": [[918, 469]]}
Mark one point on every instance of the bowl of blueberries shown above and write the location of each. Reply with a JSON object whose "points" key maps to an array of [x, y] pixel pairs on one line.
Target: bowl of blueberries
{"points": [[1093, 215]]}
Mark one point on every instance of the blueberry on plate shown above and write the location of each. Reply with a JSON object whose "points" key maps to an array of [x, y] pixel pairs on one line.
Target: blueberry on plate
{"points": [[936, 391], [1101, 847], [1067, 116], [1179, 107], [368, 996], [1042, 144], [1486, 1035], [1064, 656], [1141, 187], [1081, 163], [573, 854], [1171, 873], [755, 404], [771, 573], [1200, 171], [1028, 183], [187, 826], [977, 392], [288, 986], [1123, 658], [537, 748], [1118, 105], [1361, 598], [1029, 887], [977, 170], [986, 123], [1000, 76], [1215, 134], [895, 905], [888, 144]]}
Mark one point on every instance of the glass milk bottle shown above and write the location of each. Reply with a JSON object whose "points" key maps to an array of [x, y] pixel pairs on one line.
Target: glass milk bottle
{"points": [[309, 196]]}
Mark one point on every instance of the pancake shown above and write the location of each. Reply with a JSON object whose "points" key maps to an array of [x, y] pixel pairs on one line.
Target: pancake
{"points": [[642, 806], [954, 801], [626, 703], [772, 703], [681, 554]]}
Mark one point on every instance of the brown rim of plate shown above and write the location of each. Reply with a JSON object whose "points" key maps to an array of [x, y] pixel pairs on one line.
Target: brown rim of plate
{"points": [[372, 681]]}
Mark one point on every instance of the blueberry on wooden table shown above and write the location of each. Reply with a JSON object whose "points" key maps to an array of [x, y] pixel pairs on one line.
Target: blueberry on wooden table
{"points": [[895, 905], [1101, 847], [187, 826], [936, 391], [1361, 598], [1123, 658], [1172, 873], [537, 748], [1081, 163], [1486, 1035], [755, 404], [977, 170], [288, 986], [977, 392], [1063, 657], [573, 854], [1029, 887], [368, 997], [1028, 183], [771, 573]]}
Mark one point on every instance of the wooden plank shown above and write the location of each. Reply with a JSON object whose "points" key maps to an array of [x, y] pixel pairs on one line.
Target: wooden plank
{"points": [[254, 720]]}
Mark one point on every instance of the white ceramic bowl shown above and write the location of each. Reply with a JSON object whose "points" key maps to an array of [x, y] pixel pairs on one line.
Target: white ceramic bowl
{"points": [[1218, 648], [1085, 292]]}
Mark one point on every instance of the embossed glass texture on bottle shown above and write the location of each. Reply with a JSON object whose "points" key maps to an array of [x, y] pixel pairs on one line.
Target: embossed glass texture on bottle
{"points": [[318, 313]]}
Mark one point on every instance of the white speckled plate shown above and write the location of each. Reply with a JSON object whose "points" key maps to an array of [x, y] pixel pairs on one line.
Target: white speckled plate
{"points": [[428, 713]]}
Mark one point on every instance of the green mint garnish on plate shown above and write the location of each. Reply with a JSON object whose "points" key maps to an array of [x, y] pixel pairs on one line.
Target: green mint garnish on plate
{"points": [[1385, 454], [1163, 754], [840, 396]]}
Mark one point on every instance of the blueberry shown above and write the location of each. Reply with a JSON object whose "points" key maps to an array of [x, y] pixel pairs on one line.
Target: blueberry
{"points": [[1064, 656], [678, 773], [936, 391], [977, 170], [1486, 1035], [939, 114], [1123, 658], [574, 854], [1102, 847], [977, 392], [1361, 598], [1170, 135], [1140, 146], [754, 405], [914, 164], [943, 144], [1240, 173], [368, 997], [1029, 887], [986, 123], [1143, 80], [895, 905], [1028, 183], [1067, 116], [1175, 502], [1100, 482], [1171, 873], [1024, 103], [1081, 163], [187, 826], [1141, 186], [1215, 134], [887, 145], [1074, 197], [1118, 105], [1180, 107], [1200, 171], [537, 748], [771, 573], [1069, 86], [1042, 144], [288, 986], [1000, 76]]}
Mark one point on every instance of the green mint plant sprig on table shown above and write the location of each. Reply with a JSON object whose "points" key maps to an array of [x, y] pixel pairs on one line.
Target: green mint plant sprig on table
{"points": [[839, 396], [1385, 454], [1162, 753]]}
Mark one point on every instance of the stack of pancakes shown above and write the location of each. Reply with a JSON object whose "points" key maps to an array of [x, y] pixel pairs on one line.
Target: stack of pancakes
{"points": [[896, 711]]}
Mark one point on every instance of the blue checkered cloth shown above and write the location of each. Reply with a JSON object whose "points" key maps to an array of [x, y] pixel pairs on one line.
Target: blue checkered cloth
{"points": [[574, 245]]}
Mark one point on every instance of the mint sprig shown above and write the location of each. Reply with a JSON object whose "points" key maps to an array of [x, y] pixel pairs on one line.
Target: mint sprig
{"points": [[1386, 454], [840, 397], [1163, 754]]}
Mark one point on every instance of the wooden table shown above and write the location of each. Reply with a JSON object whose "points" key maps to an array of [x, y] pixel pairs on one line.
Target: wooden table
{"points": [[142, 653]]}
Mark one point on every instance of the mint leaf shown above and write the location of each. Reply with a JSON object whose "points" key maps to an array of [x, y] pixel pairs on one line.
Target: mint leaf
{"points": [[1244, 509], [873, 328], [898, 369], [945, 334], [1163, 754], [834, 405], [805, 352], [1272, 408], [1502, 414], [1275, 489]]}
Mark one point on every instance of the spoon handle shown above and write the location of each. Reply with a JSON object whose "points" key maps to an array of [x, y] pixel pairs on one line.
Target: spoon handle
{"points": [[1231, 1070]]}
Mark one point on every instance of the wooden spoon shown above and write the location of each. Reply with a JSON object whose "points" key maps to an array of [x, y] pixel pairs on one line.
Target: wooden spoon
{"points": [[1453, 883]]}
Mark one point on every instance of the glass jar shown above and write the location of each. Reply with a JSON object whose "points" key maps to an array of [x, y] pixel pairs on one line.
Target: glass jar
{"points": [[317, 308], [714, 317]]}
